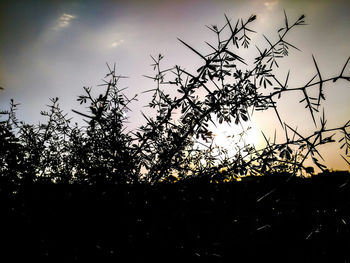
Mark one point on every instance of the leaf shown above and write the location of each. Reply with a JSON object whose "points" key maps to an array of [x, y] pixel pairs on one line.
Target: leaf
{"points": [[236, 120], [261, 80], [268, 81]]}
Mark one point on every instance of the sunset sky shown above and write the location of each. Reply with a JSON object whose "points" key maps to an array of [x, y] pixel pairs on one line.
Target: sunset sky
{"points": [[53, 48]]}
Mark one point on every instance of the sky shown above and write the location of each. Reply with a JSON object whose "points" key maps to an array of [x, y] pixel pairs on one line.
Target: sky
{"points": [[53, 48]]}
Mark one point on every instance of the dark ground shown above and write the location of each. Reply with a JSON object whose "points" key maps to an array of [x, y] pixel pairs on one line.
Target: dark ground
{"points": [[301, 220]]}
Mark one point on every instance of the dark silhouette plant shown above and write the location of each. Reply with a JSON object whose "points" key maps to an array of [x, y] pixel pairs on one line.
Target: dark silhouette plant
{"points": [[224, 89], [232, 88]]}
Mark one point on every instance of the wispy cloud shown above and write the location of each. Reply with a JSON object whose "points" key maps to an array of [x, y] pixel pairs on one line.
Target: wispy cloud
{"points": [[117, 43], [64, 21], [270, 4]]}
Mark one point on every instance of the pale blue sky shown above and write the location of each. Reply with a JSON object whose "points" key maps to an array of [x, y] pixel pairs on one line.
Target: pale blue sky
{"points": [[54, 48]]}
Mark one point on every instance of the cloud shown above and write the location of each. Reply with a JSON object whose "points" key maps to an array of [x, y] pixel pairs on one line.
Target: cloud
{"points": [[117, 43], [64, 21], [270, 4]]}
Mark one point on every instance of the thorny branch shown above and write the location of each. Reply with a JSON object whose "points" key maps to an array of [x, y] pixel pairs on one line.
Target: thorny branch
{"points": [[230, 93], [224, 89]]}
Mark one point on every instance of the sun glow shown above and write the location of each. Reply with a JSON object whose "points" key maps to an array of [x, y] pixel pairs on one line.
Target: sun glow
{"points": [[227, 140], [233, 137]]}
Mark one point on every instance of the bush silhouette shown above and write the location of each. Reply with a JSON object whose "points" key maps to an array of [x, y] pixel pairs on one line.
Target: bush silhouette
{"points": [[166, 147], [98, 192]]}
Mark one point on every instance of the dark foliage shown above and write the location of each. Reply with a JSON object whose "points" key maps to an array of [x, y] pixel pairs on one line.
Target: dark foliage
{"points": [[304, 220], [224, 89], [100, 193]]}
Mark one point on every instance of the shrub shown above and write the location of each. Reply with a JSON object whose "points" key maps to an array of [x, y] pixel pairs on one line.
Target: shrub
{"points": [[223, 89]]}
